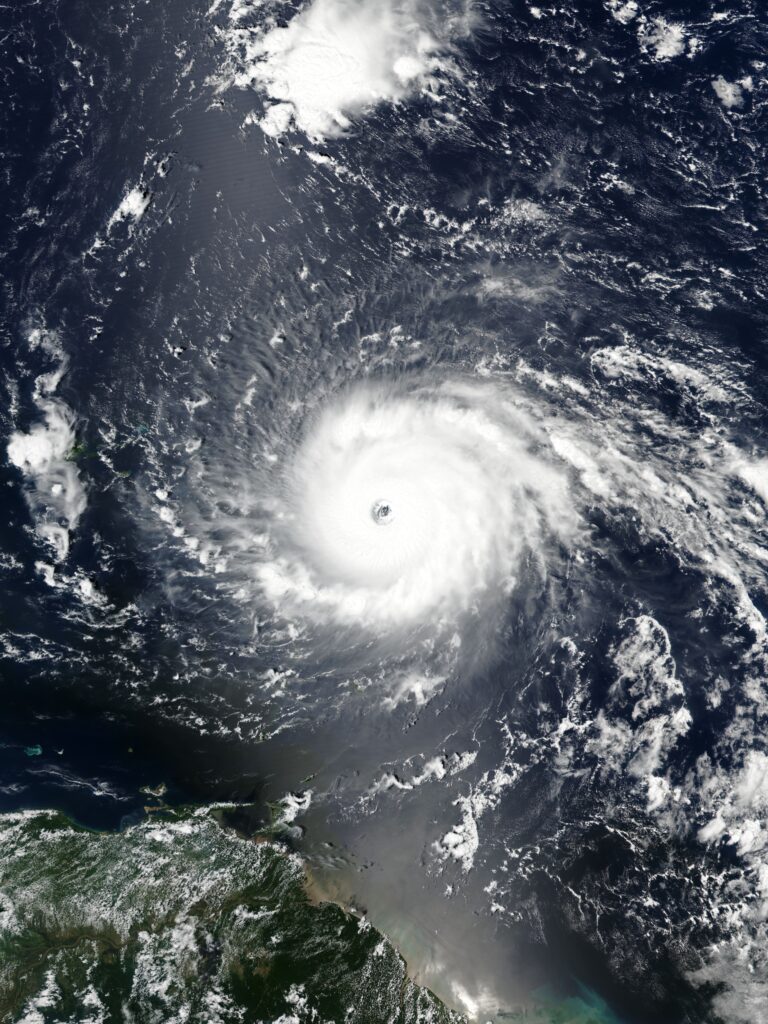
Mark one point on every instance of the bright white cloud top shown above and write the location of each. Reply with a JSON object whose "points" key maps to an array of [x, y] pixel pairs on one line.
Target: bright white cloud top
{"points": [[335, 60], [411, 506], [54, 491]]}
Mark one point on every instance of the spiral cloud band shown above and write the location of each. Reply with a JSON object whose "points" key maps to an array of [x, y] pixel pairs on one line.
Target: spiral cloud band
{"points": [[412, 505]]}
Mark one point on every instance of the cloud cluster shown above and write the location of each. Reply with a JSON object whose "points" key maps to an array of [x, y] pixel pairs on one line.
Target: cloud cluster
{"points": [[335, 60], [55, 494]]}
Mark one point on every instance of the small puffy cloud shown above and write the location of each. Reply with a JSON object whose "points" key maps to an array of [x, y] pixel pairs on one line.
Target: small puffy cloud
{"points": [[623, 10], [663, 39], [132, 206], [730, 94]]}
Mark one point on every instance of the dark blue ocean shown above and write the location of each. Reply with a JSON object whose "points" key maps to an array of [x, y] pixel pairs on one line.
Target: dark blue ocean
{"points": [[574, 211]]}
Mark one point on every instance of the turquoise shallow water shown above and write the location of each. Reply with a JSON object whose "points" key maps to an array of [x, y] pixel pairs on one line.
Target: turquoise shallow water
{"points": [[180, 917], [557, 790]]}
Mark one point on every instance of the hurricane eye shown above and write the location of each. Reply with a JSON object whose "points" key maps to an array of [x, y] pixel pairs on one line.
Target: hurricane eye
{"points": [[382, 513]]}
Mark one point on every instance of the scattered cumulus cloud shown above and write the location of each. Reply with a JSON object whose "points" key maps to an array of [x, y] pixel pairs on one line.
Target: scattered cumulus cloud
{"points": [[731, 94], [662, 39], [131, 208], [623, 10]]}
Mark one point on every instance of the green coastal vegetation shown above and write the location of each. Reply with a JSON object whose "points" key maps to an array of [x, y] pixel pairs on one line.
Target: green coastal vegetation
{"points": [[181, 918]]}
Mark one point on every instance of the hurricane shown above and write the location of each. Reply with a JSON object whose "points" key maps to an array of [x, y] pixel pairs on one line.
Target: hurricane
{"points": [[410, 503], [384, 467]]}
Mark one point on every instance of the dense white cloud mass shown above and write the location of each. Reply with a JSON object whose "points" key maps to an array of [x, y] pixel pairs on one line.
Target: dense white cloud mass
{"points": [[731, 94], [335, 60], [132, 207], [55, 493], [412, 506], [661, 38]]}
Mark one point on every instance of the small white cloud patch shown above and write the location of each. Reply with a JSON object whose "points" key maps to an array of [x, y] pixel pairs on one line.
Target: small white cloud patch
{"points": [[132, 206], [663, 39], [623, 11], [730, 94]]}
